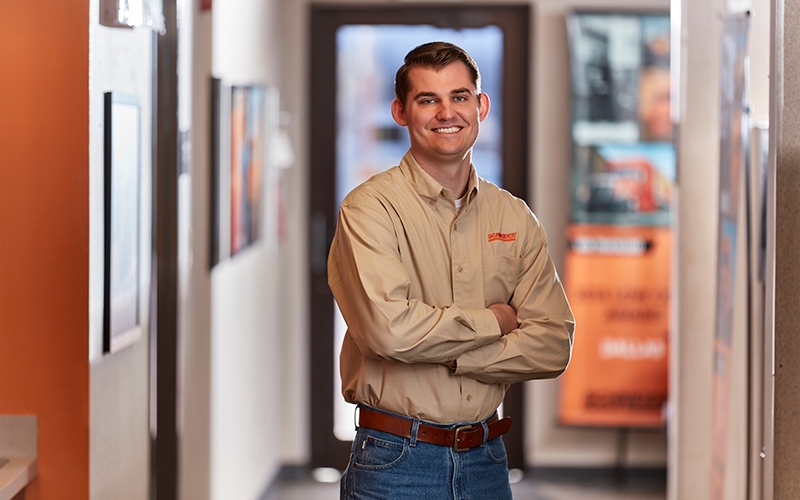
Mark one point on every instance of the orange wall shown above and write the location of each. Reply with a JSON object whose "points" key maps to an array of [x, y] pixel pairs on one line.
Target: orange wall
{"points": [[44, 234]]}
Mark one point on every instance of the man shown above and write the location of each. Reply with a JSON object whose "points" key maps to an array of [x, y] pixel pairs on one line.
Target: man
{"points": [[449, 296]]}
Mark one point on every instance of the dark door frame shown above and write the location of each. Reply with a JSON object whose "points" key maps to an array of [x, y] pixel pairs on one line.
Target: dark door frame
{"points": [[164, 316], [514, 20]]}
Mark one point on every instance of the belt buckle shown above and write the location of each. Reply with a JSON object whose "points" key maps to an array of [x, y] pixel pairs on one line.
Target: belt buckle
{"points": [[456, 438]]}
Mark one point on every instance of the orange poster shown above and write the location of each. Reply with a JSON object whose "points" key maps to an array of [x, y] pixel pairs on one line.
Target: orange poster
{"points": [[617, 279]]}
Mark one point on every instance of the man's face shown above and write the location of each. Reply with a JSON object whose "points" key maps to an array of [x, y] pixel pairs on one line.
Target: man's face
{"points": [[442, 112]]}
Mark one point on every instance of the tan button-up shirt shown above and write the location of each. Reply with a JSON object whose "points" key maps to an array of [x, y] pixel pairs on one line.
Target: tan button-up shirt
{"points": [[413, 280]]}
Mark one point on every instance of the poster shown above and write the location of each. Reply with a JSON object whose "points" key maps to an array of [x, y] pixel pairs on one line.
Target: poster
{"points": [[734, 137], [619, 367], [247, 165], [617, 266]]}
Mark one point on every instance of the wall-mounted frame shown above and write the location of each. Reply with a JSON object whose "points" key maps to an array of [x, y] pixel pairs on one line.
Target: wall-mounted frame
{"points": [[132, 14], [239, 163], [122, 323]]}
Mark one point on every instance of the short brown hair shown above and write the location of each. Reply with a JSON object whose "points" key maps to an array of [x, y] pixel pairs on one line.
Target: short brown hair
{"points": [[435, 55]]}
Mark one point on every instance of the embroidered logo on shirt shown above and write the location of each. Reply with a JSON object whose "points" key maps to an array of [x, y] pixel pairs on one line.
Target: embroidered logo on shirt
{"points": [[502, 237]]}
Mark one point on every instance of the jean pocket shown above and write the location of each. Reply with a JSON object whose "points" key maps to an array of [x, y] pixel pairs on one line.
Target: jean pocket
{"points": [[496, 450], [376, 454]]}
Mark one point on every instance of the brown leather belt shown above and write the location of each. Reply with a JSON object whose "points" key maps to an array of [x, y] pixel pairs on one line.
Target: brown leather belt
{"points": [[460, 439]]}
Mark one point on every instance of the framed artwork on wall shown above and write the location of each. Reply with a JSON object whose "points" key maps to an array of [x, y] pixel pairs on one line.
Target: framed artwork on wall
{"points": [[132, 14], [122, 323], [239, 166]]}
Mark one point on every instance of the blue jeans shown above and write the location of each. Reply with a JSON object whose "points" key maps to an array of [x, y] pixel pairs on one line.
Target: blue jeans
{"points": [[388, 467]]}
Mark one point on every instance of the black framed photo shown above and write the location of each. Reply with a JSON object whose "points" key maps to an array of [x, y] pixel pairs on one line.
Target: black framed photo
{"points": [[122, 323]]}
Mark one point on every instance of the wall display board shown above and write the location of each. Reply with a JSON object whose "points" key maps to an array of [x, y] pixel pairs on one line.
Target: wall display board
{"points": [[734, 138], [239, 144], [617, 266]]}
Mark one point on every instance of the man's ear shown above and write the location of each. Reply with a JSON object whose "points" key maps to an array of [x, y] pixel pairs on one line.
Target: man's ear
{"points": [[399, 113], [484, 103]]}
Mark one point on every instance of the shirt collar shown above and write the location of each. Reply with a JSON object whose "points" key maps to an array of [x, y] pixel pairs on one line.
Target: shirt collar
{"points": [[425, 185]]}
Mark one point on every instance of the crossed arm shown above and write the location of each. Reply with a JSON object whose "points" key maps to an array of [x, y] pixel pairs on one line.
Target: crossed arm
{"points": [[506, 320], [530, 337]]}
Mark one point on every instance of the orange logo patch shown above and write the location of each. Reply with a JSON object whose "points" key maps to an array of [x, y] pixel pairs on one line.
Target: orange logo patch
{"points": [[502, 237]]}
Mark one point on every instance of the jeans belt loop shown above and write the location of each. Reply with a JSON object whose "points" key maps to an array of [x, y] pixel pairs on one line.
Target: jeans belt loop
{"points": [[485, 431], [414, 432]]}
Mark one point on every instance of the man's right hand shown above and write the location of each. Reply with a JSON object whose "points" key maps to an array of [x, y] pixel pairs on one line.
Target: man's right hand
{"points": [[506, 317]]}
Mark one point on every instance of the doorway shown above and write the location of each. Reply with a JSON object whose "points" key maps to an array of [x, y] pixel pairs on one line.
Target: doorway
{"points": [[355, 52]]}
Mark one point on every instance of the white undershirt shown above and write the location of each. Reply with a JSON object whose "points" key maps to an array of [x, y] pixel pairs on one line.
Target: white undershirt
{"points": [[460, 203]]}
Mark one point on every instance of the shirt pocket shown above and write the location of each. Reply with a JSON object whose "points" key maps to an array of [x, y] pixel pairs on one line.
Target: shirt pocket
{"points": [[500, 277]]}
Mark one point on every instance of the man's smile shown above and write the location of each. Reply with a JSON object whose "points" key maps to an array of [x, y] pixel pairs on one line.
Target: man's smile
{"points": [[447, 130]]}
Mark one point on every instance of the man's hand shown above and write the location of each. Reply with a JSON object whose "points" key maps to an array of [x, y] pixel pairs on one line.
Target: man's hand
{"points": [[506, 317]]}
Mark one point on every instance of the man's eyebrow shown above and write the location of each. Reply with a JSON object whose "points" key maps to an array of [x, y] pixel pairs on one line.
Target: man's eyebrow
{"points": [[462, 90], [425, 94]]}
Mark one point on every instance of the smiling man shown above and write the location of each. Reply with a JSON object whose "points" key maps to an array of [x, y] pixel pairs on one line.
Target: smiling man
{"points": [[449, 295]]}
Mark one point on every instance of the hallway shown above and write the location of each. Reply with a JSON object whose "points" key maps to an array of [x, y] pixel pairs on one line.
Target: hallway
{"points": [[202, 376]]}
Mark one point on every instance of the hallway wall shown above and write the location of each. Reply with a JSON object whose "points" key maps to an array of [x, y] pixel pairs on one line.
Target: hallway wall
{"points": [[44, 236], [692, 355], [120, 61], [92, 408], [233, 340]]}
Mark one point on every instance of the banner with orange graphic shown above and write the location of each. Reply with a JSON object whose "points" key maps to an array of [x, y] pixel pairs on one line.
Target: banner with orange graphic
{"points": [[617, 267], [619, 286]]}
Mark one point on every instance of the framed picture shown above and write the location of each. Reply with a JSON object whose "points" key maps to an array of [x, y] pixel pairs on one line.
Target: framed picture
{"points": [[239, 144], [122, 203], [132, 14]]}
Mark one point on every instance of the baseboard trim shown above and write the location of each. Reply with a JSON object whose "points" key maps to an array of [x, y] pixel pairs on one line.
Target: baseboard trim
{"points": [[287, 473], [635, 478]]}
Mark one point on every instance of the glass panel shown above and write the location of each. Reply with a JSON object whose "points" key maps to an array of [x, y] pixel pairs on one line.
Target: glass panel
{"points": [[368, 140]]}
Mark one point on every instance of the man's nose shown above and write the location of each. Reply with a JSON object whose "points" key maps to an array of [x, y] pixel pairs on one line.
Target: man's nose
{"points": [[445, 111]]}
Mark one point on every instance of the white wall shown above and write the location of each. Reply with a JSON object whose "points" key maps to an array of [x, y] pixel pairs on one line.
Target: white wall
{"points": [[121, 61], [246, 293], [239, 403]]}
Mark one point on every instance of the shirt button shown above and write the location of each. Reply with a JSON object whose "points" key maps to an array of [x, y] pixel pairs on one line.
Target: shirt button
{"points": [[455, 227], [432, 202], [469, 397], [460, 269]]}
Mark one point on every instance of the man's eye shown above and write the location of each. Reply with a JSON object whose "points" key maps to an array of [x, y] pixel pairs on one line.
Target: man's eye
{"points": [[427, 101], [460, 98]]}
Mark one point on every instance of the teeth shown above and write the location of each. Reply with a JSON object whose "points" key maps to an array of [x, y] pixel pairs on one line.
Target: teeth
{"points": [[448, 130]]}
